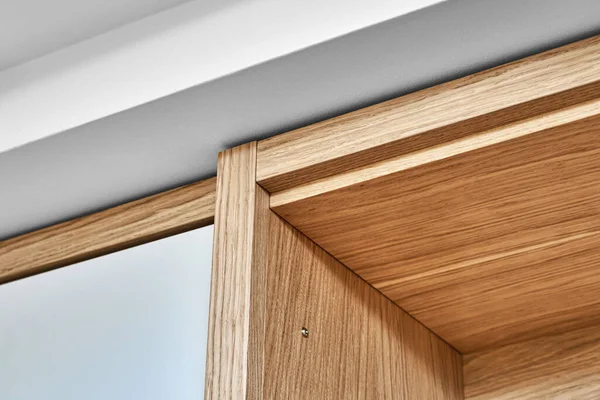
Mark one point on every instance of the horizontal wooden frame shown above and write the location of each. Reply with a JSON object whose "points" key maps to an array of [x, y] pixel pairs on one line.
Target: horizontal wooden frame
{"points": [[528, 89], [141, 221]]}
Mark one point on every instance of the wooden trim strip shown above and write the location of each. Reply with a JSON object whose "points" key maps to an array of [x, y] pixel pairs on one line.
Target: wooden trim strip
{"points": [[533, 86], [154, 217], [435, 153], [234, 357]]}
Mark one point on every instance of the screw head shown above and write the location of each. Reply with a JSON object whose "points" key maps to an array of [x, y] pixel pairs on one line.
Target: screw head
{"points": [[304, 332]]}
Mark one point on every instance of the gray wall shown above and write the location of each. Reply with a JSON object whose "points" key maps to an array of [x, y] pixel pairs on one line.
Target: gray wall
{"points": [[129, 325]]}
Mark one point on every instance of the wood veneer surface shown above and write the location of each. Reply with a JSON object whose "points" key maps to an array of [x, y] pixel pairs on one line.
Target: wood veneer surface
{"points": [[535, 85], [360, 344], [152, 218], [565, 366], [269, 281], [234, 358], [487, 247]]}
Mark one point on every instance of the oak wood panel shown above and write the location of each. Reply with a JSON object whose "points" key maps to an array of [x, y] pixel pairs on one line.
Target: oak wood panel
{"points": [[360, 344], [565, 366], [535, 85], [486, 247], [234, 359], [560, 117], [118, 228], [269, 281]]}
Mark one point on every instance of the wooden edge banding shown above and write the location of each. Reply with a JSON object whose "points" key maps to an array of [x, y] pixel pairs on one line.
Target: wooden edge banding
{"points": [[540, 84], [439, 152], [151, 218], [258, 298], [234, 357]]}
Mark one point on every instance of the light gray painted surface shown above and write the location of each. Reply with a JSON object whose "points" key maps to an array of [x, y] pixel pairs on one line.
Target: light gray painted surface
{"points": [[168, 52], [175, 140], [129, 325], [32, 28]]}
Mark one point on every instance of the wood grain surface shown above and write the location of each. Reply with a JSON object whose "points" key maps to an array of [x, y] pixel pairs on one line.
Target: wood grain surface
{"points": [[360, 345], [493, 136], [118, 228], [487, 247], [565, 366], [269, 281], [234, 358], [475, 206], [500, 96]]}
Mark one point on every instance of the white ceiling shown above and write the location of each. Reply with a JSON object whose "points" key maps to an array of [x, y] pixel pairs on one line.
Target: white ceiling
{"points": [[32, 28], [185, 46]]}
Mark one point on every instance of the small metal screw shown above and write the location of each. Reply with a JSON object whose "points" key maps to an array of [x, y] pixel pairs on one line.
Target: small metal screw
{"points": [[304, 332]]}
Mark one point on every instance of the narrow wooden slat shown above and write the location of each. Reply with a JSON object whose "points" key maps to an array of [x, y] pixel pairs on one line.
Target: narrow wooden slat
{"points": [[403, 162], [234, 359], [520, 90], [141, 221]]}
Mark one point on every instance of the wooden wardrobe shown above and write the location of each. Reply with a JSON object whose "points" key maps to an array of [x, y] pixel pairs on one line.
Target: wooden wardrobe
{"points": [[441, 245]]}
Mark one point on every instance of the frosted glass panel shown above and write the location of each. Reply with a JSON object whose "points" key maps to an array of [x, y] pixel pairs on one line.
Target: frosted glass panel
{"points": [[129, 325]]}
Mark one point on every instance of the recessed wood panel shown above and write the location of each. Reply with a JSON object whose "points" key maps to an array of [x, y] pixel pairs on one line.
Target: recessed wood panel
{"points": [[497, 244], [234, 357], [565, 366]]}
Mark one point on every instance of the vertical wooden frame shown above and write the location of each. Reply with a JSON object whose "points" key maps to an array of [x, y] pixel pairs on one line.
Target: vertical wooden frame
{"points": [[269, 281], [237, 302]]}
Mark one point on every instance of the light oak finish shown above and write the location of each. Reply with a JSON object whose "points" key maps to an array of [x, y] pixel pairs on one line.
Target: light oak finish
{"points": [[360, 344], [539, 123], [118, 228], [270, 281], [234, 359], [500, 96], [474, 205], [565, 366], [488, 247]]}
